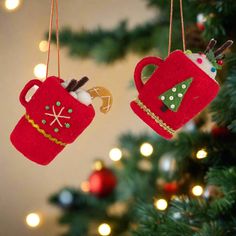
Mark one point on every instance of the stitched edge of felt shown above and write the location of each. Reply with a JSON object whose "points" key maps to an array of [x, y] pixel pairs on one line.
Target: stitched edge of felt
{"points": [[156, 118], [41, 131]]}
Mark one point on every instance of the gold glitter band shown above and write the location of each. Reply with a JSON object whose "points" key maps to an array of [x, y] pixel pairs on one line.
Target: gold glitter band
{"points": [[41, 131], [155, 117]]}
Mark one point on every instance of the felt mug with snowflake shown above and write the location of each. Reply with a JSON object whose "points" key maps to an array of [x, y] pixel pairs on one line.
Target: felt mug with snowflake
{"points": [[182, 85], [57, 113]]}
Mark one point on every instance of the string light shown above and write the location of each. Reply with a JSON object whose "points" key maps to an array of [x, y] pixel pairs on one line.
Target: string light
{"points": [[98, 165], [161, 204], [85, 186], [104, 229], [176, 215], [40, 71], [11, 5], [115, 154], [201, 154], [43, 46], [197, 190], [146, 149], [33, 220]]}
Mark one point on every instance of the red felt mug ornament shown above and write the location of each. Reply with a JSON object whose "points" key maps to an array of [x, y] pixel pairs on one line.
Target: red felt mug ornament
{"points": [[181, 86], [54, 118]]}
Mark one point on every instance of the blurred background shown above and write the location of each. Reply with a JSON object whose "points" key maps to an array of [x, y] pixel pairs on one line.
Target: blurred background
{"points": [[25, 185], [118, 178]]}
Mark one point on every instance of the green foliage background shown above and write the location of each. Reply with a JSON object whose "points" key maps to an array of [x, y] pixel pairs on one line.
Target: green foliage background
{"points": [[137, 187]]}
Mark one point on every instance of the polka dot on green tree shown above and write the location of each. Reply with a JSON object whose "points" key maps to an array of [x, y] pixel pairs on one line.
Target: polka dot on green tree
{"points": [[173, 97]]}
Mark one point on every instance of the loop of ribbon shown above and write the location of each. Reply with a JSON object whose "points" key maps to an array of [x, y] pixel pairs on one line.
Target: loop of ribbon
{"points": [[171, 25], [57, 38]]}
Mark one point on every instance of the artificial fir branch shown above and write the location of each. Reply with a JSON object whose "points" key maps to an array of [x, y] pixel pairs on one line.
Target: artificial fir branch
{"points": [[224, 106], [137, 186], [107, 46]]}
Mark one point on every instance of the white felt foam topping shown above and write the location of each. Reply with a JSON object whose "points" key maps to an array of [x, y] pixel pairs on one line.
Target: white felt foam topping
{"points": [[203, 63]]}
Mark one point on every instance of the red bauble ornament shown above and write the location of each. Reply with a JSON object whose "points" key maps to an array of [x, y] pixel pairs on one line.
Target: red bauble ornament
{"points": [[200, 26], [220, 132], [201, 19], [170, 188], [102, 182]]}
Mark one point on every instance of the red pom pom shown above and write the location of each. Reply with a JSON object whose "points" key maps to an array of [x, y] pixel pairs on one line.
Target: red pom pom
{"points": [[170, 187], [199, 60], [102, 182], [220, 62]]}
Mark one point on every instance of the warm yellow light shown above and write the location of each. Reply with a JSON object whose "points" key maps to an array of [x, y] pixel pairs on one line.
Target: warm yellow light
{"points": [[115, 154], [12, 4], [197, 190], [33, 220], [161, 204], [146, 149], [104, 229], [201, 154], [40, 71], [98, 165], [43, 46], [85, 186]]}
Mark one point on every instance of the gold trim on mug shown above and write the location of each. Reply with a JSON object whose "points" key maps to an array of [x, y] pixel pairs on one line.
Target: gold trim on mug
{"points": [[157, 119], [41, 131]]}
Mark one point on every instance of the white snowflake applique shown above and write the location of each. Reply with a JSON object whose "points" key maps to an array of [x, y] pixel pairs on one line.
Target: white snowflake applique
{"points": [[58, 116]]}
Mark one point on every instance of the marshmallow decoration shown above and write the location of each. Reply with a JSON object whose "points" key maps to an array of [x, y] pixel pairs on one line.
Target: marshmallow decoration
{"points": [[54, 118], [65, 83], [79, 94], [84, 97], [73, 94], [182, 85], [200, 60]]}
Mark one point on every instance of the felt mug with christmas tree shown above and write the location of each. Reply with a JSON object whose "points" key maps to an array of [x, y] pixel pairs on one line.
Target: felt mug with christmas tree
{"points": [[182, 85], [56, 115]]}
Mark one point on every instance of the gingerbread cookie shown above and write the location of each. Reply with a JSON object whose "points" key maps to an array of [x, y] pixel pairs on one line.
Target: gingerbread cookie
{"points": [[105, 95]]}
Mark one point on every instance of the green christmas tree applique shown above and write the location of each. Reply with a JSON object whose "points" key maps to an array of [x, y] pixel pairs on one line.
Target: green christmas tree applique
{"points": [[173, 97]]}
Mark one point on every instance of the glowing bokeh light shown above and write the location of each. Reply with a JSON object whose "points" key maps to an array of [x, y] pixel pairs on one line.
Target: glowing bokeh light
{"points": [[11, 5], [115, 154], [43, 46], [33, 220], [40, 71], [197, 190], [201, 154], [104, 229], [161, 204], [146, 149]]}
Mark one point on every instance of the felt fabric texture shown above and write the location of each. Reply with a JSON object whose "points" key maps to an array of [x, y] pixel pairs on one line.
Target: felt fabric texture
{"points": [[173, 97], [176, 68], [149, 121], [202, 61], [53, 110]]}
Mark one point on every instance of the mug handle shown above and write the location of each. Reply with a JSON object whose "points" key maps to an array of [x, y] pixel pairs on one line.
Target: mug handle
{"points": [[26, 89], [140, 66]]}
